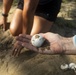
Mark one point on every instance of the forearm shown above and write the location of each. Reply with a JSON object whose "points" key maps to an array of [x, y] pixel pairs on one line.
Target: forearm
{"points": [[28, 14], [7, 5]]}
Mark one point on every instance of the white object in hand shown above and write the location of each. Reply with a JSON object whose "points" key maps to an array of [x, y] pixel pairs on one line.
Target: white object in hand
{"points": [[37, 40], [64, 67]]}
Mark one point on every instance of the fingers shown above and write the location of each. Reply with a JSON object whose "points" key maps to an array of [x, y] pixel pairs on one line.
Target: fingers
{"points": [[25, 36], [18, 45], [17, 49], [14, 51], [48, 35], [28, 45], [22, 39], [41, 50]]}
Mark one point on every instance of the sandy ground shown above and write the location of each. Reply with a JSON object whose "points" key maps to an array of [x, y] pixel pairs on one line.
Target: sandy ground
{"points": [[30, 63]]}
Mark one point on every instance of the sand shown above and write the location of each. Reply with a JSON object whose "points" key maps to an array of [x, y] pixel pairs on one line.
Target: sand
{"points": [[31, 63]]}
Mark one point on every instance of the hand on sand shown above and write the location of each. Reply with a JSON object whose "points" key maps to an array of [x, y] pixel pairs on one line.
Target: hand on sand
{"points": [[16, 49], [53, 46]]}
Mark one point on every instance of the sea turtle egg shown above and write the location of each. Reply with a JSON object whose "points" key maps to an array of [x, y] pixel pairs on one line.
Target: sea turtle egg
{"points": [[72, 65], [64, 67], [37, 40]]}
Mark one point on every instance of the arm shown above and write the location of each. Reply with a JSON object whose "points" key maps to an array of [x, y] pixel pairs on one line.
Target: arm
{"points": [[6, 8], [56, 44], [7, 5], [28, 14]]}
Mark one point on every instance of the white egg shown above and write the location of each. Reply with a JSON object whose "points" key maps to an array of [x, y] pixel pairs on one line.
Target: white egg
{"points": [[72, 65], [37, 40], [64, 67]]}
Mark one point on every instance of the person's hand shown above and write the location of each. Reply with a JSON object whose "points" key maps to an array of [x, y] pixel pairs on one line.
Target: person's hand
{"points": [[25, 41], [16, 49], [54, 46]]}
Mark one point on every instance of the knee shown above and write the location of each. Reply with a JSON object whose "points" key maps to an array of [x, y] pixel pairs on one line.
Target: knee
{"points": [[13, 32]]}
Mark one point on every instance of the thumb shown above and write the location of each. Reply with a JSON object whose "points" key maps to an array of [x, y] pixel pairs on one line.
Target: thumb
{"points": [[47, 36]]}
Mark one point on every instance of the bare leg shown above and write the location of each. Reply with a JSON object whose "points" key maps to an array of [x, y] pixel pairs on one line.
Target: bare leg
{"points": [[28, 15], [16, 29], [40, 25], [6, 7], [17, 23]]}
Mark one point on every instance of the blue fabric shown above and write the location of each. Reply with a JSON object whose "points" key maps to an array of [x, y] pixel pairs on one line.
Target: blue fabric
{"points": [[74, 40]]}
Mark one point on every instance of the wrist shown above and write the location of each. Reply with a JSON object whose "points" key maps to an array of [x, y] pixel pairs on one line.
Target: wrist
{"points": [[5, 15], [67, 43]]}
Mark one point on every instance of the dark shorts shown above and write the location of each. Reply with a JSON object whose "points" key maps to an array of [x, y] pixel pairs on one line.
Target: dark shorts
{"points": [[48, 11]]}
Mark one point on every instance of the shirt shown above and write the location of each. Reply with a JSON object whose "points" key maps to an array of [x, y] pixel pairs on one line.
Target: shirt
{"points": [[41, 2]]}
